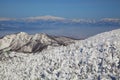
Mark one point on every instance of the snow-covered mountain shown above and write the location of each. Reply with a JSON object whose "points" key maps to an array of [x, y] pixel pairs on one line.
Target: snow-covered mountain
{"points": [[23, 42], [45, 18], [95, 58]]}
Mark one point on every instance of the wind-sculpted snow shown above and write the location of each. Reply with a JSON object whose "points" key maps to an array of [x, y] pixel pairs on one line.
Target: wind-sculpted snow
{"points": [[96, 58]]}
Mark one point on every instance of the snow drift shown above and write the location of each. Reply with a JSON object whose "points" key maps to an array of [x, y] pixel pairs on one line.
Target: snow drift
{"points": [[96, 58]]}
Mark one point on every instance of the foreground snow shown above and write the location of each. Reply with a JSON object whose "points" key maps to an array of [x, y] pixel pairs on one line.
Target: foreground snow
{"points": [[96, 58]]}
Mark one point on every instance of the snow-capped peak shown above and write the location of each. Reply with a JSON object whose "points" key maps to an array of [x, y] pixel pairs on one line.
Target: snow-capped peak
{"points": [[48, 17], [110, 20], [24, 42]]}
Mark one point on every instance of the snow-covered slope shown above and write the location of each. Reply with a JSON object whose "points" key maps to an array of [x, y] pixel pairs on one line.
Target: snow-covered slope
{"points": [[22, 42], [96, 58]]}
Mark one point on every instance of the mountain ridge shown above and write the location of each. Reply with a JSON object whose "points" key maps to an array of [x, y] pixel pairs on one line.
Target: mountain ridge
{"points": [[24, 42]]}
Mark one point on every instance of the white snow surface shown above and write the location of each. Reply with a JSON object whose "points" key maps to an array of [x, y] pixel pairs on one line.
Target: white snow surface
{"points": [[95, 58]]}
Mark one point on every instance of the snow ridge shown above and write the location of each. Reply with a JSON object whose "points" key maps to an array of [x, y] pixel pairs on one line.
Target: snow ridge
{"points": [[96, 58]]}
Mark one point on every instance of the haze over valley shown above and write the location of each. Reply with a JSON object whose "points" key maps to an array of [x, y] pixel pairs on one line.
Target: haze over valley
{"points": [[58, 26]]}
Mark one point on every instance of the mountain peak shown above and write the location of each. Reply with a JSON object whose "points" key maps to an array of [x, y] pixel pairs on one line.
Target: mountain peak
{"points": [[110, 20], [47, 17], [22, 33], [23, 42]]}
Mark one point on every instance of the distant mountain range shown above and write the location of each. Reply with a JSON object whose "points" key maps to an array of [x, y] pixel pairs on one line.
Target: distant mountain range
{"points": [[49, 21]]}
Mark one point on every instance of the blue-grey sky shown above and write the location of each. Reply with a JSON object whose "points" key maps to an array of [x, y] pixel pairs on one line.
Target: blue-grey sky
{"points": [[86, 9]]}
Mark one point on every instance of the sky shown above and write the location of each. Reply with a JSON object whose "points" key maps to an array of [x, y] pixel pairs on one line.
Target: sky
{"points": [[85, 9]]}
